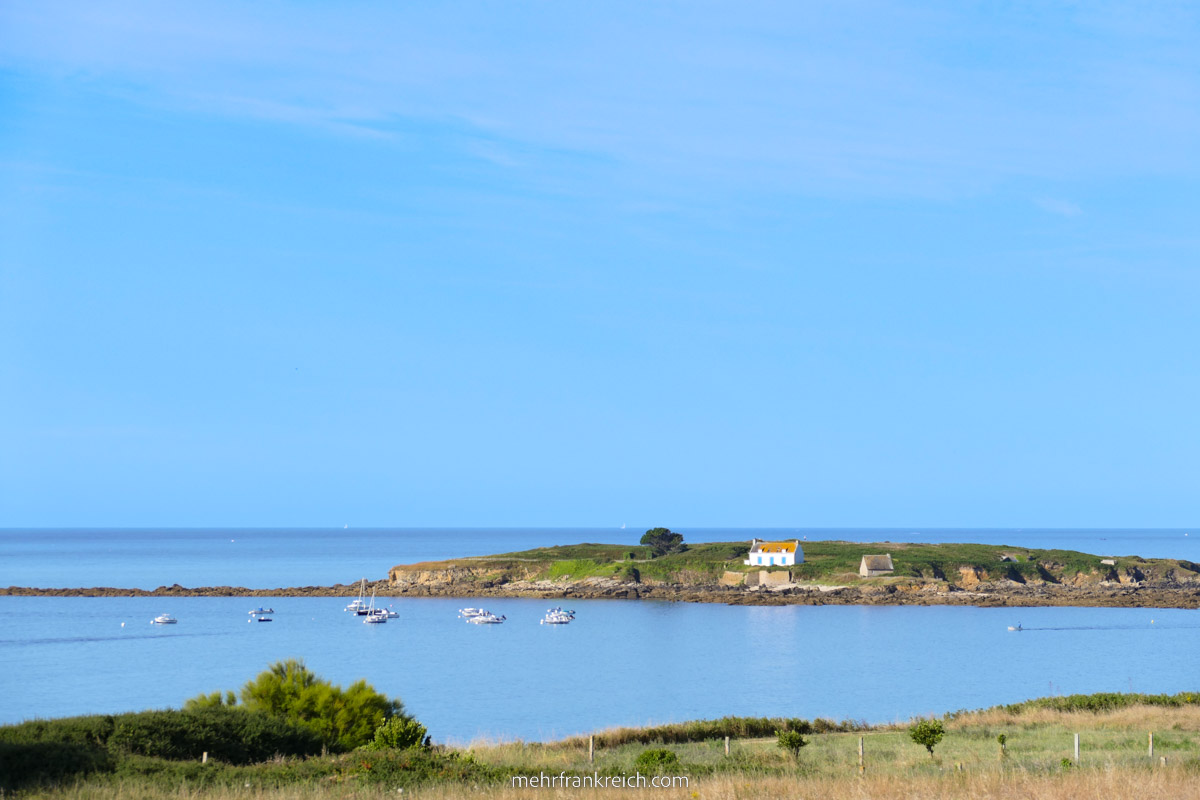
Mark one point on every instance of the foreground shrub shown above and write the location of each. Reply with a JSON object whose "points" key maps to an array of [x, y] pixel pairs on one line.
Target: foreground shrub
{"points": [[399, 733], [343, 718], [25, 764], [232, 735], [655, 762], [791, 741]]}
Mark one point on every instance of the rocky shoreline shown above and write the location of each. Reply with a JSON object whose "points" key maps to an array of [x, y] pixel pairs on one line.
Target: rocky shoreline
{"points": [[922, 593]]}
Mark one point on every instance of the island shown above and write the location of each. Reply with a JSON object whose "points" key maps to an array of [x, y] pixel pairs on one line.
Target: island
{"points": [[825, 573]]}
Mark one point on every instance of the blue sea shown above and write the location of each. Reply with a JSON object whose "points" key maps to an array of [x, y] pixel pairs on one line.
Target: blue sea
{"points": [[619, 663]]}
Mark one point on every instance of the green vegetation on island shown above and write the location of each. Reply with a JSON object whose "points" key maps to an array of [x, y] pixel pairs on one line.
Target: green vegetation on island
{"points": [[663, 558]]}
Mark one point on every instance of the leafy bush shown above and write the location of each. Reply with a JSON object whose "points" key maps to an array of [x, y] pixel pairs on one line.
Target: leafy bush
{"points": [[42, 751], [233, 735], [24, 764], [416, 766], [791, 741], [343, 718], [90, 730], [399, 733], [656, 761], [927, 733]]}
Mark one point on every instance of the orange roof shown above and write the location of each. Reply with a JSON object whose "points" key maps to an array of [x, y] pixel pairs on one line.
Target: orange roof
{"points": [[776, 547]]}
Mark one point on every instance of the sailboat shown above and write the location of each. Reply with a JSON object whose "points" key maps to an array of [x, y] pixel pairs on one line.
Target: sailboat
{"points": [[372, 617], [358, 606]]}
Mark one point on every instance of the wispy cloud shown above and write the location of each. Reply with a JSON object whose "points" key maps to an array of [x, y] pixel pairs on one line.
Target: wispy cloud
{"points": [[1063, 208], [793, 99]]}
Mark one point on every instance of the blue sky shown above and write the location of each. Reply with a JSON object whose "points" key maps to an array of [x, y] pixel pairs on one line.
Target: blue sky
{"points": [[859, 264]]}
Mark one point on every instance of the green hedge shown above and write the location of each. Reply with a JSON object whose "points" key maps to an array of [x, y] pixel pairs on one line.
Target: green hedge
{"points": [[1105, 701], [42, 751]]}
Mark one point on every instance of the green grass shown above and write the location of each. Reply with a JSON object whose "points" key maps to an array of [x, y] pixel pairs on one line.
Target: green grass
{"points": [[1113, 730]]}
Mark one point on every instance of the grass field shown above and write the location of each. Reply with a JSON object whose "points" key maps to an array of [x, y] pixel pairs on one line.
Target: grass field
{"points": [[1038, 762]]}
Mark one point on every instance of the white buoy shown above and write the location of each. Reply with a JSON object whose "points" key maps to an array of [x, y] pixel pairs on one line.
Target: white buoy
{"points": [[122, 624]]}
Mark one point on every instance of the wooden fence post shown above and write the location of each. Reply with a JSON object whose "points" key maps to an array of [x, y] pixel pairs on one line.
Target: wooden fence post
{"points": [[1152, 744], [591, 748], [862, 763], [1077, 748], [726, 745], [204, 757]]}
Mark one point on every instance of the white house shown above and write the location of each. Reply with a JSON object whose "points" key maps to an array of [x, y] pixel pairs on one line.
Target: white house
{"points": [[774, 554]]}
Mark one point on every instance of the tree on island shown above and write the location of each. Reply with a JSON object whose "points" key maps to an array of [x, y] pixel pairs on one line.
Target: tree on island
{"points": [[663, 541]]}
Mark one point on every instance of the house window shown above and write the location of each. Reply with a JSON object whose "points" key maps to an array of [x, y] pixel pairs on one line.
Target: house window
{"points": [[771, 561], [760, 559]]}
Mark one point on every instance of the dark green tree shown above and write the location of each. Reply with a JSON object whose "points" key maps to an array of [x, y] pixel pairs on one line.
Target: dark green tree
{"points": [[927, 733], [662, 541]]}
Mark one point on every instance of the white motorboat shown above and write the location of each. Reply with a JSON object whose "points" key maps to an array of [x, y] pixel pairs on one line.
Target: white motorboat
{"points": [[468, 613], [557, 618], [358, 606], [375, 619], [487, 618], [164, 619], [386, 612], [261, 610]]}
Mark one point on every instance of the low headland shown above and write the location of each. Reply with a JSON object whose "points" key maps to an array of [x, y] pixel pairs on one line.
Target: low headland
{"points": [[922, 574]]}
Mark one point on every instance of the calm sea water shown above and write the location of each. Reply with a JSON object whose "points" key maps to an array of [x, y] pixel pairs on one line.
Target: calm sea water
{"points": [[620, 663]]}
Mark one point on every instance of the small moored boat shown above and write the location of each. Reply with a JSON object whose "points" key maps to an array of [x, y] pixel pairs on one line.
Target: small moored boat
{"points": [[374, 616], [164, 619]]}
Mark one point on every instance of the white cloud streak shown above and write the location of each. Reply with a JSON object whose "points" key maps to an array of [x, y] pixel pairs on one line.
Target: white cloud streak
{"points": [[761, 98]]}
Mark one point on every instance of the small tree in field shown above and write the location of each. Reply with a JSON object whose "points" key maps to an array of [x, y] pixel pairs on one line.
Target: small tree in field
{"points": [[927, 733], [791, 741]]}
